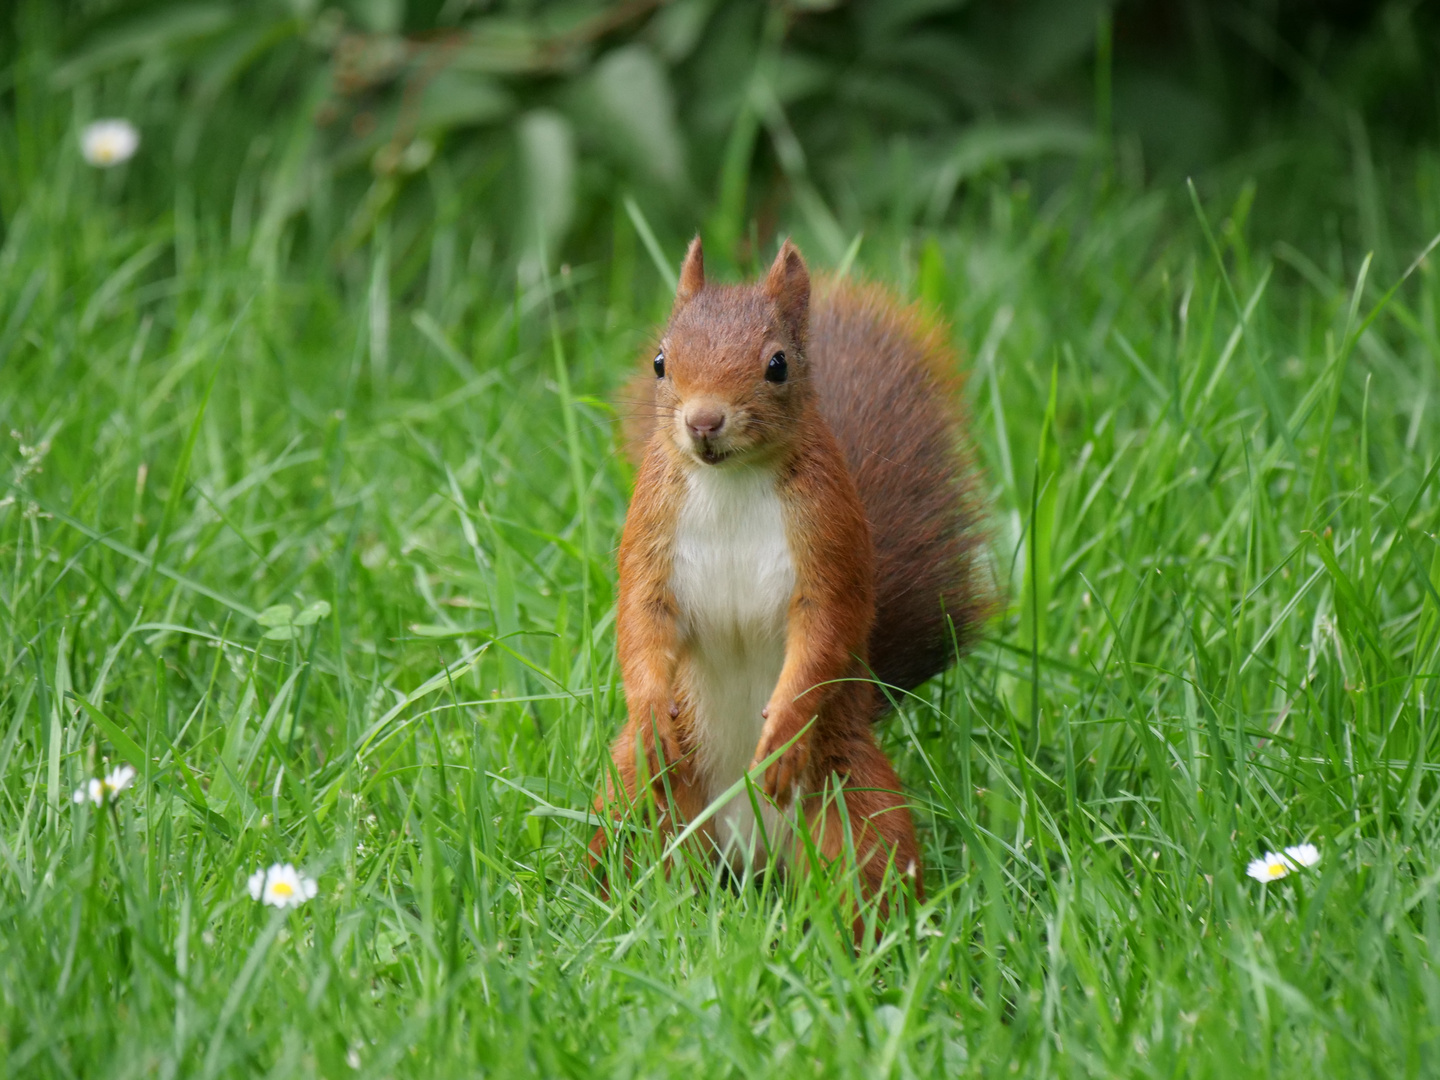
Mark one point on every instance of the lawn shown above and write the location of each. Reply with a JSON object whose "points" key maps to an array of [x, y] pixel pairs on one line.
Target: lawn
{"points": [[327, 556]]}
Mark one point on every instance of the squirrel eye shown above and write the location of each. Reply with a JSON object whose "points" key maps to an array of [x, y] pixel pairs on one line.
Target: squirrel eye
{"points": [[660, 365], [775, 371]]}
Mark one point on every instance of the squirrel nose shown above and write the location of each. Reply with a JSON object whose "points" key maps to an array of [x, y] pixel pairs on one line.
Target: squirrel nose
{"points": [[705, 422]]}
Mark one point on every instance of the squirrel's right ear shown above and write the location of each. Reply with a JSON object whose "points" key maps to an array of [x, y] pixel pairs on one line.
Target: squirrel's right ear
{"points": [[788, 285], [692, 273]]}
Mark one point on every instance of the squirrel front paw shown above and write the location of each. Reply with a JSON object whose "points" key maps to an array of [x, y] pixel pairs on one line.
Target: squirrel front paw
{"points": [[663, 751], [783, 774]]}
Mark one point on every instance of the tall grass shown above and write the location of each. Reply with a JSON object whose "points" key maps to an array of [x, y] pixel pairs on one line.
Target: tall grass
{"points": [[1212, 474]]}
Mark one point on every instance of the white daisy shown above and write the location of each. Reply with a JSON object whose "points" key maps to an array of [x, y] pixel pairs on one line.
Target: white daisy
{"points": [[98, 789], [1269, 867], [282, 886], [1303, 854], [109, 142]]}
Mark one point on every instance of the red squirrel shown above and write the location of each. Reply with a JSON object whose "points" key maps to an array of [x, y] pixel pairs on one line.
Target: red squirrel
{"points": [[804, 526]]}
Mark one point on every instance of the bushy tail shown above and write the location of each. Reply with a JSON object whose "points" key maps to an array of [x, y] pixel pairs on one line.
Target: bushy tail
{"points": [[889, 388]]}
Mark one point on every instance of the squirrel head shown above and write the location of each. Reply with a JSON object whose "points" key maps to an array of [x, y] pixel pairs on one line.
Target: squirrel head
{"points": [[732, 378]]}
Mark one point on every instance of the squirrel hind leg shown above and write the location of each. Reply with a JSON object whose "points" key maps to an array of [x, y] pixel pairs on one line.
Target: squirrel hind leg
{"points": [[670, 800], [880, 830]]}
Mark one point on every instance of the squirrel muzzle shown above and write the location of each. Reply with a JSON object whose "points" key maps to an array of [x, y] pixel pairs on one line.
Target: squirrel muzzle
{"points": [[706, 423]]}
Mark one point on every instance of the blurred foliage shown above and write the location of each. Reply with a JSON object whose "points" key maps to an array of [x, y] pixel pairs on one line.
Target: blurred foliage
{"points": [[333, 127]]}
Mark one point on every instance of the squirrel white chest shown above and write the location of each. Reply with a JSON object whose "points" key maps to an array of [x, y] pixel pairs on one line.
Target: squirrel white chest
{"points": [[732, 577], [732, 574]]}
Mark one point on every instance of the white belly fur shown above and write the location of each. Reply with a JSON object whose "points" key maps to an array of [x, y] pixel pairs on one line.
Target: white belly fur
{"points": [[732, 579]]}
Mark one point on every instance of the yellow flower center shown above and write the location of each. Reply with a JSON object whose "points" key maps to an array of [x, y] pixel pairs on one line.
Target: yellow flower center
{"points": [[282, 888], [1276, 870]]}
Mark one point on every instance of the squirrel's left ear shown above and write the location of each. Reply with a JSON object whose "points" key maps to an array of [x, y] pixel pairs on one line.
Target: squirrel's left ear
{"points": [[788, 285]]}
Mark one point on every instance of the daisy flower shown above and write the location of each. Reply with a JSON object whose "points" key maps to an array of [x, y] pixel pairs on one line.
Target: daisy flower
{"points": [[98, 789], [282, 886], [109, 142], [1272, 865], [1269, 867]]}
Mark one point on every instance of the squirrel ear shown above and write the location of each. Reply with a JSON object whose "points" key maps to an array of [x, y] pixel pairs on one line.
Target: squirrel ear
{"points": [[788, 285], [692, 273]]}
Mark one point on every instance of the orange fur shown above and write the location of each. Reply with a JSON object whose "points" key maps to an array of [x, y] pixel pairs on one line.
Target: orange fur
{"points": [[863, 440], [888, 384]]}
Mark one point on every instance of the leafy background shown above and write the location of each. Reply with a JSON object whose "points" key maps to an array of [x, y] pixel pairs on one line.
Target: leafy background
{"points": [[523, 126]]}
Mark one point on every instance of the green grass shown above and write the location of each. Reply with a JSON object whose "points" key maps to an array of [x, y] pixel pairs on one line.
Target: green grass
{"points": [[1211, 467]]}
